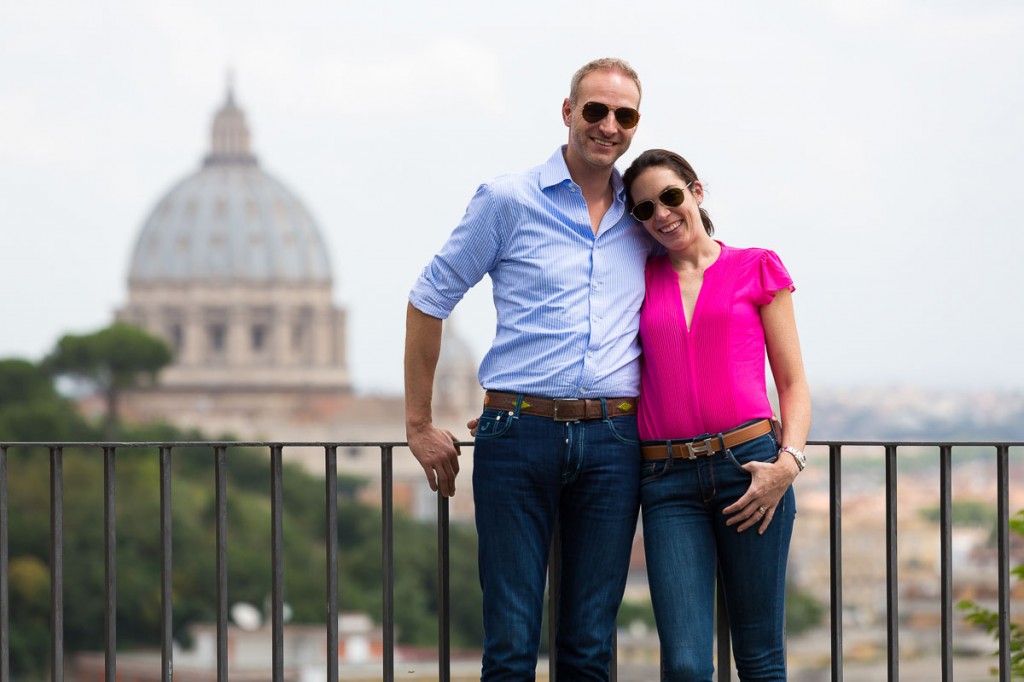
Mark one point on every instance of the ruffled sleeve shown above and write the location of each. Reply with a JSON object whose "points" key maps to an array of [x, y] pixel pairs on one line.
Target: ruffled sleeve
{"points": [[774, 277]]}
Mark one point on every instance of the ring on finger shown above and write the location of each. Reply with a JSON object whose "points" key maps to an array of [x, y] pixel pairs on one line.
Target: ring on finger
{"points": [[761, 510]]}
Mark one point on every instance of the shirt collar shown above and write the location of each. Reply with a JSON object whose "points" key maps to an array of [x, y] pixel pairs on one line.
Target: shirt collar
{"points": [[554, 172]]}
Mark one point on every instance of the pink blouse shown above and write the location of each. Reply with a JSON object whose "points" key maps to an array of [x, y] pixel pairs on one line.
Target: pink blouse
{"points": [[710, 378]]}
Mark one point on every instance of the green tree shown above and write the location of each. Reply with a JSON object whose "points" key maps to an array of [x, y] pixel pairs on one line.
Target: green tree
{"points": [[988, 620], [631, 612], [964, 513], [112, 359], [30, 408], [803, 610], [138, 543], [21, 381]]}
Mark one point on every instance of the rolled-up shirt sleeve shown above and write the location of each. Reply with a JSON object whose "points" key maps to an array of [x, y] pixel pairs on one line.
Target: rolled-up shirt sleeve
{"points": [[472, 250]]}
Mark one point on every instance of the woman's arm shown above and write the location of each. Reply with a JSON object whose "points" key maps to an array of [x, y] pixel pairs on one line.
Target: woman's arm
{"points": [[787, 366], [770, 481]]}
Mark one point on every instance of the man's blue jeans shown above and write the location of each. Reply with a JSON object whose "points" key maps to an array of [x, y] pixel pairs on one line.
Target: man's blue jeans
{"points": [[686, 540], [530, 472]]}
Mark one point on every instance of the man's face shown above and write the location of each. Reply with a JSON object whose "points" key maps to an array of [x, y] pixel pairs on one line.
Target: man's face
{"points": [[600, 144]]}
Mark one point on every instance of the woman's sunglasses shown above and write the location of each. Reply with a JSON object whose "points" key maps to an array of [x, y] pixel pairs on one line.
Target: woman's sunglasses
{"points": [[596, 111], [671, 197]]}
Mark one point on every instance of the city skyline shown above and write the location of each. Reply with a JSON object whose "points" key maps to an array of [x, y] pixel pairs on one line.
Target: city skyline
{"points": [[872, 145]]}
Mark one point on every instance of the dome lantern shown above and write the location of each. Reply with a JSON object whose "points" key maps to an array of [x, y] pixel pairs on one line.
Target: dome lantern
{"points": [[229, 136]]}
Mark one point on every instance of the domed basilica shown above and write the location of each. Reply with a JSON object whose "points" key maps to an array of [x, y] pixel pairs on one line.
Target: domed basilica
{"points": [[232, 271]]}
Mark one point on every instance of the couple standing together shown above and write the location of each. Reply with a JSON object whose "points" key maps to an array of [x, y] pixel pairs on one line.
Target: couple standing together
{"points": [[579, 428]]}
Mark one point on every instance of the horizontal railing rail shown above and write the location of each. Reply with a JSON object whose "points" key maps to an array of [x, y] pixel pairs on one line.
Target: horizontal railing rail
{"points": [[276, 450]]}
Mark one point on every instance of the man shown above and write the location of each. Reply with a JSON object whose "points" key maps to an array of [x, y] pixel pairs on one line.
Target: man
{"points": [[557, 440]]}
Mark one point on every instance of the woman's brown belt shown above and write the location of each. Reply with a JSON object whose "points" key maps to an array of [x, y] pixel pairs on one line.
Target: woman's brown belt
{"points": [[708, 445]]}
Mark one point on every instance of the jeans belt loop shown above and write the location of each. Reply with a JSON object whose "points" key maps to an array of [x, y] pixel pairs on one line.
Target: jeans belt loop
{"points": [[519, 404], [604, 409], [721, 442]]}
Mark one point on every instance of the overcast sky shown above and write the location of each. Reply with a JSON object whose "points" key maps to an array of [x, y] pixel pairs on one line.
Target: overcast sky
{"points": [[876, 145]]}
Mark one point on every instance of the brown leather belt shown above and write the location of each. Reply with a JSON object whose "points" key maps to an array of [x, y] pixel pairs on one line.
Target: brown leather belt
{"points": [[709, 445], [561, 409]]}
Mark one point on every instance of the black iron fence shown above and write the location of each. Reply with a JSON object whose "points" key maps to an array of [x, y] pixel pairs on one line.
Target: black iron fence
{"points": [[387, 449]]}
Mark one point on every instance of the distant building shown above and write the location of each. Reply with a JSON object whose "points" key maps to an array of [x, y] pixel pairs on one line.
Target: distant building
{"points": [[249, 656], [232, 271]]}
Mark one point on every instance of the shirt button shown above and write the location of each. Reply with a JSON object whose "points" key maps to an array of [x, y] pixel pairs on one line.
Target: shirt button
{"points": [[581, 390]]}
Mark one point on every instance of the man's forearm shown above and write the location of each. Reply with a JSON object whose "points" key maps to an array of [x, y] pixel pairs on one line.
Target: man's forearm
{"points": [[422, 349]]}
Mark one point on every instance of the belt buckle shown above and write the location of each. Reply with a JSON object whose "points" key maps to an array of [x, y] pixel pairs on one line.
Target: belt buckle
{"points": [[699, 449], [554, 409]]}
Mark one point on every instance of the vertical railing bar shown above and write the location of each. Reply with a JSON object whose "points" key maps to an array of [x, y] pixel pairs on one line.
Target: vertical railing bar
{"points": [[221, 502], [444, 626], [613, 672], [5, 644], [835, 533], [388, 557], [331, 538], [722, 627], [1003, 533], [554, 593], [892, 567], [110, 564], [946, 557], [166, 571], [277, 561], [56, 564]]}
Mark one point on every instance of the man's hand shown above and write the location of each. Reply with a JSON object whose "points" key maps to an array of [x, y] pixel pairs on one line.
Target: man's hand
{"points": [[434, 448], [437, 453], [471, 425]]}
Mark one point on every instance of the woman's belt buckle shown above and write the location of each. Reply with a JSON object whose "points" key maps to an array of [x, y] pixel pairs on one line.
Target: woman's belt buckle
{"points": [[699, 448]]}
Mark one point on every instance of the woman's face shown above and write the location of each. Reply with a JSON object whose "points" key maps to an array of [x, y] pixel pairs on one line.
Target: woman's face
{"points": [[675, 227]]}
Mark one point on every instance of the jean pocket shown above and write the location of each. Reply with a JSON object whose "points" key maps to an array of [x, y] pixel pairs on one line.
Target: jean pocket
{"points": [[624, 429], [761, 449], [651, 471], [493, 423]]}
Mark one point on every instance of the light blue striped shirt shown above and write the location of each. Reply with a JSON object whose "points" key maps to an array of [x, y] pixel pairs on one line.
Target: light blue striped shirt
{"points": [[567, 301]]}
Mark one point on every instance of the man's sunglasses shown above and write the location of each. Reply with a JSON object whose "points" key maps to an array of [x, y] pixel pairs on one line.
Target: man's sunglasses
{"points": [[596, 111], [671, 197]]}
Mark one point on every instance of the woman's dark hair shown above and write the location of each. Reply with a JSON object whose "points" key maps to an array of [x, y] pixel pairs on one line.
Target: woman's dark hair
{"points": [[662, 158]]}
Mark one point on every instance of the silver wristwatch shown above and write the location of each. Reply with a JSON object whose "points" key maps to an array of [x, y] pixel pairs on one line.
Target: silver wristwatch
{"points": [[801, 461]]}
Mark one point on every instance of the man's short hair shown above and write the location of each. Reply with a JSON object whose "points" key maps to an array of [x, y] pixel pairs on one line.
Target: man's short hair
{"points": [[603, 64]]}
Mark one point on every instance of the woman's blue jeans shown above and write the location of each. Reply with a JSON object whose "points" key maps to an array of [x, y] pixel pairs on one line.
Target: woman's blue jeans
{"points": [[687, 543], [528, 473]]}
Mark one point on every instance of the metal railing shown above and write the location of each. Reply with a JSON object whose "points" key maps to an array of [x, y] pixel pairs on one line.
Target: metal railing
{"points": [[330, 449]]}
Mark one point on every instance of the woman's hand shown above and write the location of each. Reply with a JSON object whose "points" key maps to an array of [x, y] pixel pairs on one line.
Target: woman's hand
{"points": [[768, 484]]}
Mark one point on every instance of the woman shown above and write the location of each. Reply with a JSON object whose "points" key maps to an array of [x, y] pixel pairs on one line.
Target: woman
{"points": [[716, 484]]}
